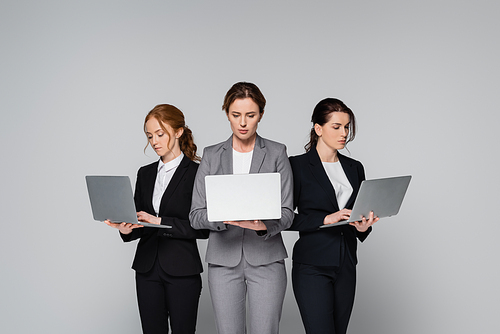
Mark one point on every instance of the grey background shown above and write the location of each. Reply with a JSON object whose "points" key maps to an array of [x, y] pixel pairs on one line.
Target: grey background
{"points": [[78, 77]]}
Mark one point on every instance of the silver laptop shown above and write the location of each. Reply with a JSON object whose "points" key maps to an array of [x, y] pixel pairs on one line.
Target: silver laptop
{"points": [[382, 196], [243, 197], [111, 198]]}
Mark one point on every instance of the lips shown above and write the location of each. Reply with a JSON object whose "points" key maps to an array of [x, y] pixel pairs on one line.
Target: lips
{"points": [[242, 131]]}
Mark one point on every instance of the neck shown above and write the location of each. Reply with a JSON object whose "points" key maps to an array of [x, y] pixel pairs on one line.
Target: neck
{"points": [[244, 146], [325, 153], [171, 155]]}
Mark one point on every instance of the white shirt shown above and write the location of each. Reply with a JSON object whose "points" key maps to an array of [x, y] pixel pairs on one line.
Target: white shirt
{"points": [[343, 189], [163, 177], [242, 162]]}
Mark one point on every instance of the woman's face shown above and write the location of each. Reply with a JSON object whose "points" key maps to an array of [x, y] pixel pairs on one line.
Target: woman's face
{"points": [[244, 117], [165, 144], [334, 133]]}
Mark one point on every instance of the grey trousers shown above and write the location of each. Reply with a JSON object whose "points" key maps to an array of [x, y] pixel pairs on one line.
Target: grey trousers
{"points": [[265, 287]]}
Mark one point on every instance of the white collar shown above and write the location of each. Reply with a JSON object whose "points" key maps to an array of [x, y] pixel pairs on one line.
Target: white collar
{"points": [[171, 164]]}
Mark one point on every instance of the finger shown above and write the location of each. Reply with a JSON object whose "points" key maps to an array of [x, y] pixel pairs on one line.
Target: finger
{"points": [[371, 215]]}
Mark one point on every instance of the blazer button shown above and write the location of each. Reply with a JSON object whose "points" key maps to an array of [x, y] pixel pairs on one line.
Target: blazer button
{"points": [[165, 234], [218, 228]]}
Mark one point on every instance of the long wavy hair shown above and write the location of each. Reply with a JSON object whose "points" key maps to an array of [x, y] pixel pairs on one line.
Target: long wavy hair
{"points": [[168, 114]]}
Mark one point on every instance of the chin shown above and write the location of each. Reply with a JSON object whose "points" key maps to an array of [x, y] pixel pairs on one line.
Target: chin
{"points": [[243, 137]]}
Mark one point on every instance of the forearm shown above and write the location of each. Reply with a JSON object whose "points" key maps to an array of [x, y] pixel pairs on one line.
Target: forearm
{"points": [[181, 229], [308, 222], [275, 226]]}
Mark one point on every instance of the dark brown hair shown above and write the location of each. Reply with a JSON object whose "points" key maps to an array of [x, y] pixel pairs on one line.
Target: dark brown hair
{"points": [[243, 90], [168, 114], [321, 115]]}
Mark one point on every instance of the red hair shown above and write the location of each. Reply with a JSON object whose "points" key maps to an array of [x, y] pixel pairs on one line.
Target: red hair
{"points": [[168, 114]]}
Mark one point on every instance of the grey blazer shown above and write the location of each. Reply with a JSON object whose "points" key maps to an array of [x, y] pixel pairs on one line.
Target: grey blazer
{"points": [[227, 243]]}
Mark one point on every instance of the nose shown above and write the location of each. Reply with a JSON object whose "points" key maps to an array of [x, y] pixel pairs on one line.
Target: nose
{"points": [[345, 132], [153, 140], [243, 121]]}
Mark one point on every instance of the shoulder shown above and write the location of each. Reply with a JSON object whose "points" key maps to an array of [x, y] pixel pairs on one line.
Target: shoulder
{"points": [[274, 148], [348, 160], [188, 163], [297, 159], [151, 168], [193, 165], [273, 145], [213, 149]]}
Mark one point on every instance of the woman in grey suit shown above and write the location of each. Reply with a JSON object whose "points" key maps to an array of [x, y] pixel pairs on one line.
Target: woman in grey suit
{"points": [[245, 258]]}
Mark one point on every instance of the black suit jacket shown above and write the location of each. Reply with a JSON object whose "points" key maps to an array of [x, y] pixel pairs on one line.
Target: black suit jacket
{"points": [[175, 247], [314, 198]]}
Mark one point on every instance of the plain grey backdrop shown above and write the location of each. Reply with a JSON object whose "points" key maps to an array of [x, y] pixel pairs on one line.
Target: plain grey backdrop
{"points": [[422, 77]]}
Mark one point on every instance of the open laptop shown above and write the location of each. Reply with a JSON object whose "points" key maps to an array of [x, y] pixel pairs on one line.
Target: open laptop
{"points": [[243, 197], [382, 196], [111, 198]]}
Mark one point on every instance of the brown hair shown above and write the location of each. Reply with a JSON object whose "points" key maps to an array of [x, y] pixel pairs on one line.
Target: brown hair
{"points": [[168, 114], [321, 115], [243, 90]]}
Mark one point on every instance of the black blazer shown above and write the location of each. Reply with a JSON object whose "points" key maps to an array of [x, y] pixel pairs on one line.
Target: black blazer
{"points": [[314, 197], [175, 247]]}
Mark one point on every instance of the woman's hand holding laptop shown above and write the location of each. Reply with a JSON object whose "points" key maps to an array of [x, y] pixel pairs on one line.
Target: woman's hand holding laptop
{"points": [[148, 218], [256, 225], [364, 224], [344, 214], [335, 217], [124, 228]]}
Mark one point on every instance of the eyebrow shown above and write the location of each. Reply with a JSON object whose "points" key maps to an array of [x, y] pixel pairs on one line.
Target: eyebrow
{"points": [[239, 112], [160, 129]]}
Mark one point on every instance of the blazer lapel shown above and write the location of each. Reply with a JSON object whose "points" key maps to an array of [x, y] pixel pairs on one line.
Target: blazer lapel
{"points": [[319, 173], [174, 182], [352, 176], [226, 157], [149, 186], [259, 153]]}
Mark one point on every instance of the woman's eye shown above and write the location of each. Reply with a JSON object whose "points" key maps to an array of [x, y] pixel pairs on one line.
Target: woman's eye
{"points": [[160, 135], [251, 116]]}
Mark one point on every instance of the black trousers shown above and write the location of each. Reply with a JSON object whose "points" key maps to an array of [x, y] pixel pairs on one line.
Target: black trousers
{"points": [[162, 297], [325, 296]]}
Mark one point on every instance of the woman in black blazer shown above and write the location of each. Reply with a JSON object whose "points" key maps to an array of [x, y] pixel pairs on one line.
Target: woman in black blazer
{"points": [[326, 184], [167, 262]]}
